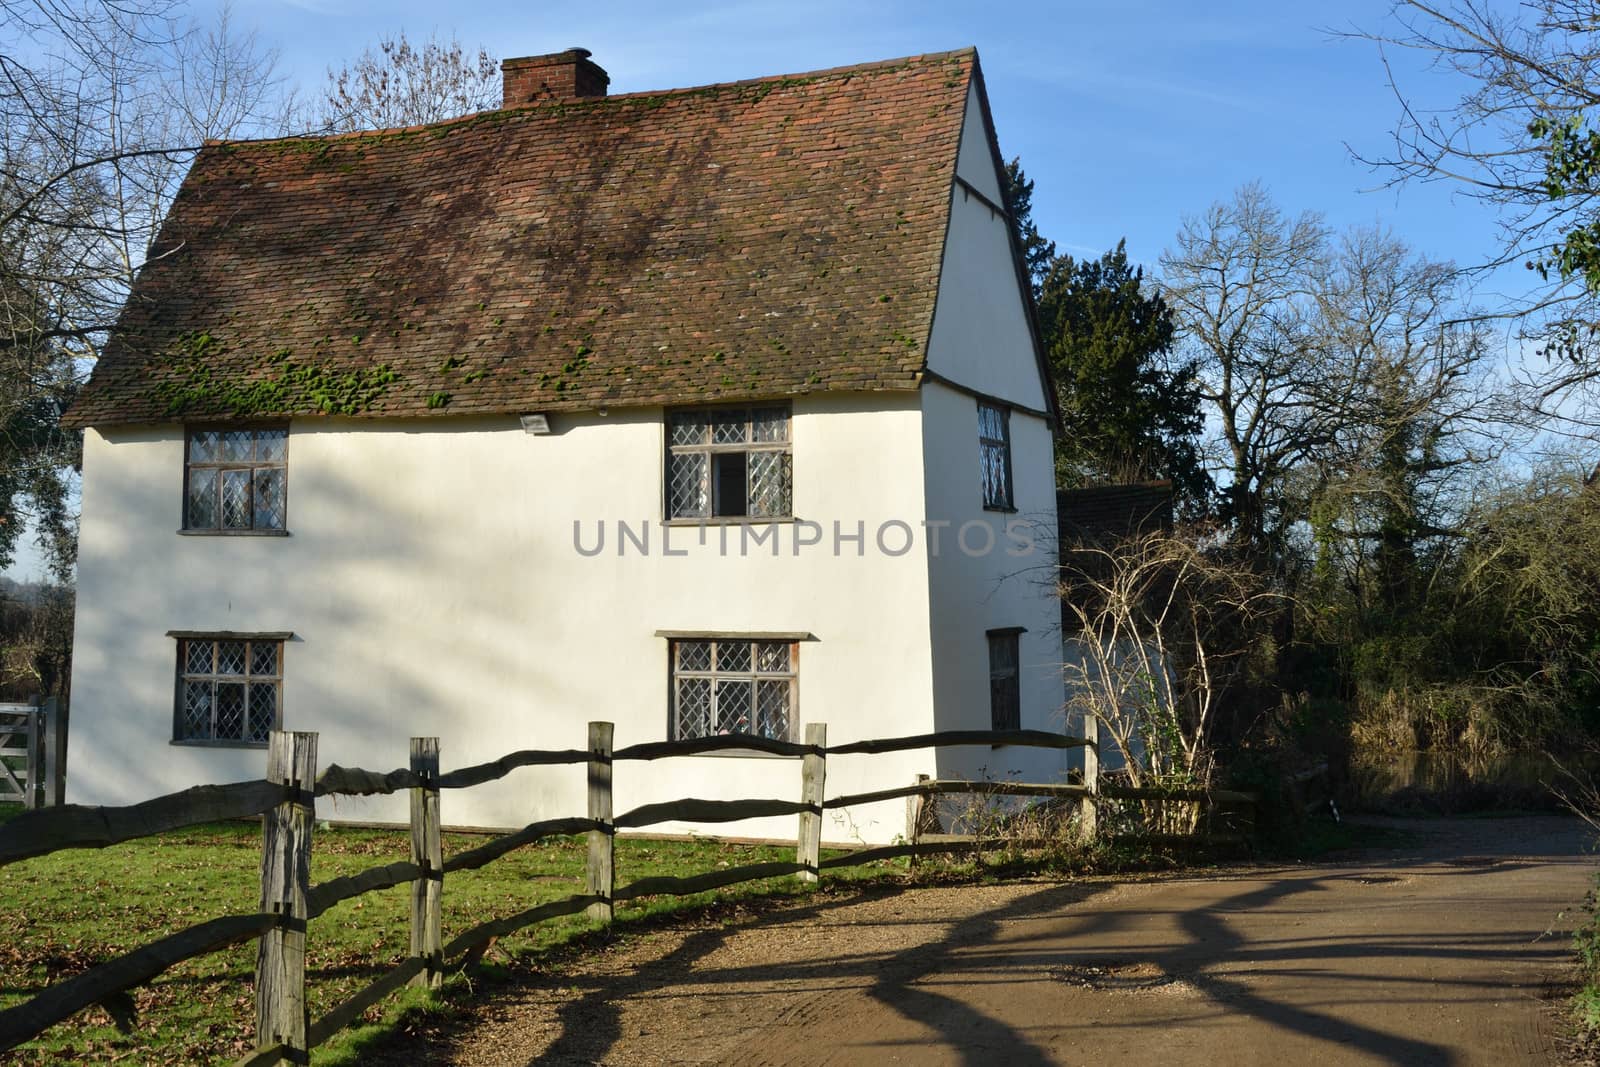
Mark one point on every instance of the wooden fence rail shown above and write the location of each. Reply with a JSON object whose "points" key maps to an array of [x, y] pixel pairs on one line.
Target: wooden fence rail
{"points": [[286, 800]]}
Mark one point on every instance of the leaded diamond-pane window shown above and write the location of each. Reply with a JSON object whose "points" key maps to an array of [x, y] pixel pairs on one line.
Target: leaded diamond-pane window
{"points": [[235, 481], [229, 689], [994, 451], [734, 686], [1005, 692], [729, 463]]}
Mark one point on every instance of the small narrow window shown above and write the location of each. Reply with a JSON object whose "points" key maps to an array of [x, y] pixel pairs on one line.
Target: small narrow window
{"points": [[236, 481], [734, 686], [229, 690], [994, 447], [729, 463], [1005, 694]]}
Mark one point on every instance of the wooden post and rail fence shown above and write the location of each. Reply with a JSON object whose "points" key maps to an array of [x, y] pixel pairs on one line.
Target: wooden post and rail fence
{"points": [[286, 801]]}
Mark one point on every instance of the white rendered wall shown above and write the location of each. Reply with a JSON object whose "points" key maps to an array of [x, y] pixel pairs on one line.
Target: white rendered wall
{"points": [[433, 588], [973, 592], [981, 342]]}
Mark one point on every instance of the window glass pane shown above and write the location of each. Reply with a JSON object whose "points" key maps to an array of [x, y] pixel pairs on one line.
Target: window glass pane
{"points": [[263, 657], [263, 710], [1005, 694], [729, 428], [687, 489], [230, 657], [1002, 654], [733, 656], [772, 656], [271, 445], [693, 708], [236, 499], [996, 484], [769, 485], [770, 424], [202, 507], [733, 706], [729, 474], [694, 655], [197, 657], [731, 701], [772, 710], [688, 427], [236, 445], [203, 446], [195, 722], [991, 422], [230, 711], [269, 498]]}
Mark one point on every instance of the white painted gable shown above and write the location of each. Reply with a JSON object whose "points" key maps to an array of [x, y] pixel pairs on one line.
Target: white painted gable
{"points": [[980, 338]]}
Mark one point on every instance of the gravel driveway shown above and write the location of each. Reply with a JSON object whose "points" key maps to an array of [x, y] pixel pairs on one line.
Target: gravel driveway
{"points": [[1443, 952]]}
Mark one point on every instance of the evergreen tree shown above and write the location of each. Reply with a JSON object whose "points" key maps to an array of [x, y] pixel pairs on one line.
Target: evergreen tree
{"points": [[1128, 412], [1037, 253]]}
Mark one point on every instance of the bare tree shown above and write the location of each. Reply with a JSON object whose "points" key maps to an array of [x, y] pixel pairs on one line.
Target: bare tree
{"points": [[1416, 416], [1241, 282], [1159, 626], [102, 105], [1519, 138], [1330, 364], [401, 84]]}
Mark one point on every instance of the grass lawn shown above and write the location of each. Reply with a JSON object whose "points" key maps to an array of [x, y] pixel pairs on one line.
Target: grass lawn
{"points": [[64, 912]]}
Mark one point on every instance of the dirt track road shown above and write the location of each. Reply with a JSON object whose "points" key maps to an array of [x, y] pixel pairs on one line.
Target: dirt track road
{"points": [[1440, 953]]}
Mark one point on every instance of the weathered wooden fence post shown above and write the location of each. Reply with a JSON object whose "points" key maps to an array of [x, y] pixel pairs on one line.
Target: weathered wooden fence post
{"points": [[1089, 806], [813, 782], [916, 815], [427, 852], [285, 878], [602, 842]]}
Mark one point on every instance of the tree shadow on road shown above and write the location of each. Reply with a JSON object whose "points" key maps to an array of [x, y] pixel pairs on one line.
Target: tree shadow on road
{"points": [[811, 967]]}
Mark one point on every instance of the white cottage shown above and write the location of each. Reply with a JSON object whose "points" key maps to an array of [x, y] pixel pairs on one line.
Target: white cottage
{"points": [[712, 410]]}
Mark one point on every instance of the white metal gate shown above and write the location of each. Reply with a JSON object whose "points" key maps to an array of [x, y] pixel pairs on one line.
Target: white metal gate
{"points": [[21, 751], [32, 754]]}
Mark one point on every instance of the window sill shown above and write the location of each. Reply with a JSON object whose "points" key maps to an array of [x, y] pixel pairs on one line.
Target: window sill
{"points": [[729, 520], [743, 753], [261, 745], [1004, 509], [233, 533]]}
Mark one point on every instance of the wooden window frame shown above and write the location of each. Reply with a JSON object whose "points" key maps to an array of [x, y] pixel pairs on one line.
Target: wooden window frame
{"points": [[711, 450], [183, 677], [214, 468], [713, 675], [1002, 444], [1011, 635]]}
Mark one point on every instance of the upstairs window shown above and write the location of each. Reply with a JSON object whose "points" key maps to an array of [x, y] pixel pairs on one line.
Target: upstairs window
{"points": [[229, 689], [235, 481], [994, 448], [1005, 693], [734, 686], [729, 463]]}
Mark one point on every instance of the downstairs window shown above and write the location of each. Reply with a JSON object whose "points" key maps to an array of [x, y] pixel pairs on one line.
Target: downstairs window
{"points": [[726, 686]]}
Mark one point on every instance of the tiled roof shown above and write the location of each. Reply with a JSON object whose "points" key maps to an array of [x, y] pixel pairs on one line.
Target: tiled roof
{"points": [[755, 239]]}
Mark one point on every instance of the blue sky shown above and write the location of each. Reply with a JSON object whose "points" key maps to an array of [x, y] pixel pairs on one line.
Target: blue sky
{"points": [[1127, 115]]}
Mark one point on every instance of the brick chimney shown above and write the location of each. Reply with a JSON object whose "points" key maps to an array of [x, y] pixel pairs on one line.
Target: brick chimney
{"points": [[560, 76]]}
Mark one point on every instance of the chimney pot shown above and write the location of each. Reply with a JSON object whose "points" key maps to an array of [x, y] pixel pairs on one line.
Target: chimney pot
{"points": [[559, 76]]}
